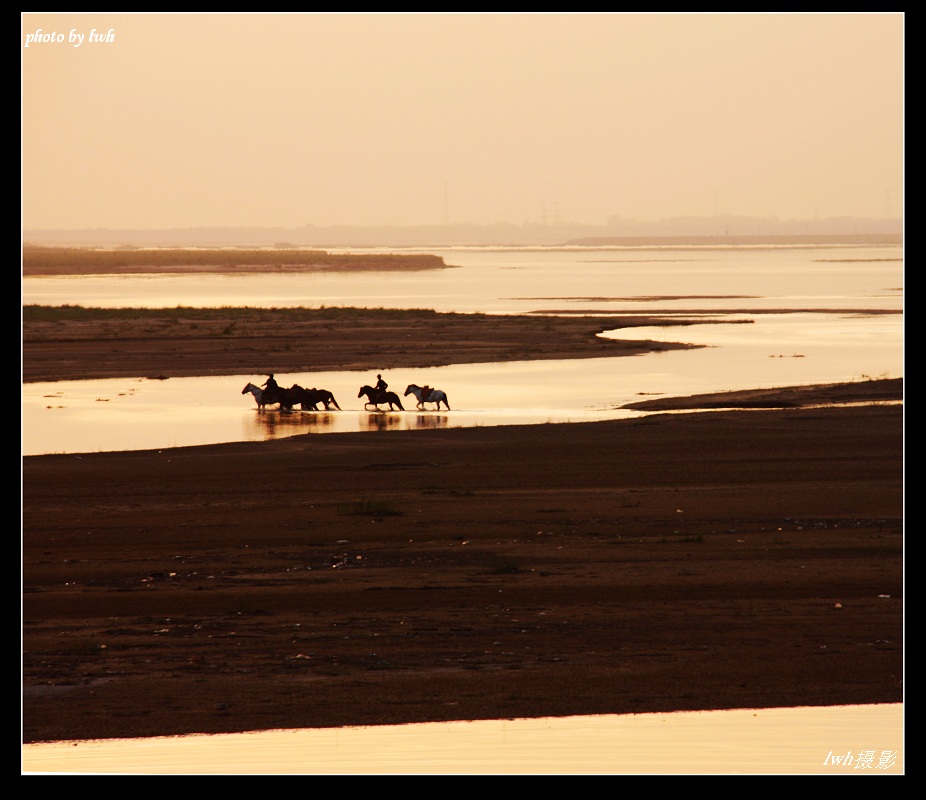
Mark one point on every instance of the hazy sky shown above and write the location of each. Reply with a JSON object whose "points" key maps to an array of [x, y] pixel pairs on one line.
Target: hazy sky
{"points": [[224, 119]]}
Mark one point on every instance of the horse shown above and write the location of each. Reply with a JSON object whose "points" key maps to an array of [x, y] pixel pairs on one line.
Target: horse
{"points": [[297, 395], [378, 398], [433, 396], [312, 397], [258, 395], [287, 398]]}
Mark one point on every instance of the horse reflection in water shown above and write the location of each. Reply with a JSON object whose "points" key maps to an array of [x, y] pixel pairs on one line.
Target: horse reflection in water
{"points": [[287, 424], [430, 421], [381, 422], [427, 395]]}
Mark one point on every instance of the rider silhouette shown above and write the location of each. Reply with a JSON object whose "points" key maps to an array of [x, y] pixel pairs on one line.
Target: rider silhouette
{"points": [[381, 386], [270, 387]]}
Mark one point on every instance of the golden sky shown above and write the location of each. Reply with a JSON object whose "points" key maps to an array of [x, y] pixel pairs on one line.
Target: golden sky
{"points": [[225, 119]]}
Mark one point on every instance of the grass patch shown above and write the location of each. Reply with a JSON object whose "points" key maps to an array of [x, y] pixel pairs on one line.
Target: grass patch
{"points": [[38, 260], [236, 314]]}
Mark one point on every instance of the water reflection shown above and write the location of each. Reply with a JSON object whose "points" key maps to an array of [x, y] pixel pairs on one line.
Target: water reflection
{"points": [[425, 420], [840, 740], [713, 286], [771, 351], [273, 424], [382, 421]]}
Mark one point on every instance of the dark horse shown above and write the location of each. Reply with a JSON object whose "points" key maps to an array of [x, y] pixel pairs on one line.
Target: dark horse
{"points": [[377, 398], [294, 395], [287, 398], [312, 397], [307, 398]]}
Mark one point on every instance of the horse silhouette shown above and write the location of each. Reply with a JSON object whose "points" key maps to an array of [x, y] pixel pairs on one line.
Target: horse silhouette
{"points": [[433, 396], [377, 398], [258, 395], [312, 397]]}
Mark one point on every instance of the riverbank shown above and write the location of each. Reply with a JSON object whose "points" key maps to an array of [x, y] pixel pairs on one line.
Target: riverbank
{"points": [[678, 562], [81, 344], [731, 559]]}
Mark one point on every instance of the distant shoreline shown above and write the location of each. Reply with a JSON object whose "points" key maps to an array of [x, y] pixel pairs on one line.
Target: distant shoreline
{"points": [[720, 232], [127, 259], [859, 239]]}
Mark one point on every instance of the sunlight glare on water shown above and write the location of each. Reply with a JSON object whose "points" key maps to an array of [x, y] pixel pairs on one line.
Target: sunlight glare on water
{"points": [[840, 740], [513, 281], [766, 350], [773, 351]]}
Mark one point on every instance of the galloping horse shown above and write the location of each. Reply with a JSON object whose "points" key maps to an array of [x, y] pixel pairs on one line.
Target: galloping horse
{"points": [[258, 395], [433, 396], [378, 398]]}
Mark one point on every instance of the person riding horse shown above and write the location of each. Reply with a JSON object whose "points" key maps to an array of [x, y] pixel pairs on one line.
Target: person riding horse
{"points": [[425, 393], [381, 387], [271, 389]]}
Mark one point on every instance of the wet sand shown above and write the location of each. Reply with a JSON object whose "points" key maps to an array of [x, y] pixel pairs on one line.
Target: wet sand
{"points": [[692, 561], [682, 561]]}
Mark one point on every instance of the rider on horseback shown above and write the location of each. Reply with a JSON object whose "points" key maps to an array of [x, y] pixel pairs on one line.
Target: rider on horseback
{"points": [[425, 393], [381, 387], [271, 389]]}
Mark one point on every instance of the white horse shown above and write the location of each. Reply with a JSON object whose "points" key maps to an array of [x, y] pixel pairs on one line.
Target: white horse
{"points": [[433, 396], [258, 395]]}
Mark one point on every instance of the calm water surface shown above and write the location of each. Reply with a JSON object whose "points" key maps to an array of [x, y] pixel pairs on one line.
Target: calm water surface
{"points": [[743, 284], [512, 280], [842, 740]]}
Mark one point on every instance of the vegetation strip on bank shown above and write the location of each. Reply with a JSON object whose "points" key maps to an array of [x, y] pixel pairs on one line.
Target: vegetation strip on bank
{"points": [[80, 260]]}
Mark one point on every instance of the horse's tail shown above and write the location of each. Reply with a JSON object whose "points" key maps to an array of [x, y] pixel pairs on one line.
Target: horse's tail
{"points": [[333, 401]]}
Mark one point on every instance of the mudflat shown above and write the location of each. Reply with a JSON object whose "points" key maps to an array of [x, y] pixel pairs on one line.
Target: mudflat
{"points": [[736, 558]]}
